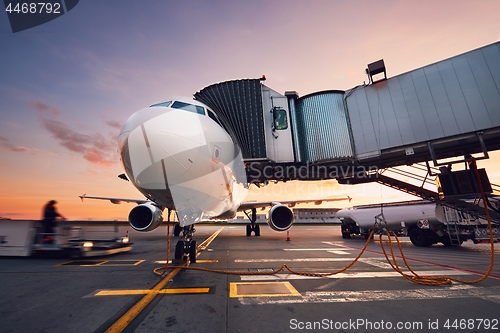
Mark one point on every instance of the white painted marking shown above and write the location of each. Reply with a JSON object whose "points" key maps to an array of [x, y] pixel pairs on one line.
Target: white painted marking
{"points": [[338, 252], [293, 260], [453, 291], [316, 249], [380, 263], [376, 262], [347, 275], [338, 243]]}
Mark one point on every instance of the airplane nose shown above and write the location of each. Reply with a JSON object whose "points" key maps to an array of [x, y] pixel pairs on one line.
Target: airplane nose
{"points": [[171, 141]]}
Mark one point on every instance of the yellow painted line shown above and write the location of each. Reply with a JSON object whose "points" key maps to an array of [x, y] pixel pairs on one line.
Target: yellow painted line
{"points": [[123, 292], [198, 261], [127, 318], [168, 291], [97, 264], [122, 262], [209, 240], [184, 291], [93, 263], [235, 293]]}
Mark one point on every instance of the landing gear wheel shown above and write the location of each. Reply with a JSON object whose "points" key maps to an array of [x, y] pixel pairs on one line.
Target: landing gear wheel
{"points": [[177, 230], [419, 238], [179, 250], [249, 230], [257, 230], [346, 235], [193, 246]]}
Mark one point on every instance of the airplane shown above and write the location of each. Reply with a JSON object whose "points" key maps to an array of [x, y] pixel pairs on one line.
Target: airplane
{"points": [[179, 156]]}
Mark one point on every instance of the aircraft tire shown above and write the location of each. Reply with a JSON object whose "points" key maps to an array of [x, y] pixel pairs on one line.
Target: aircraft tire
{"points": [[179, 249], [177, 230], [193, 245], [257, 230], [419, 238], [249, 230]]}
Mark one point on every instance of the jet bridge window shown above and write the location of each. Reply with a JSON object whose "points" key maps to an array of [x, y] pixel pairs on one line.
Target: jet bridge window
{"points": [[279, 118], [189, 107]]}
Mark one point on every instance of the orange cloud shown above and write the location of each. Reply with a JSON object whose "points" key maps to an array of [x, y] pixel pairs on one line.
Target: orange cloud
{"points": [[95, 148]]}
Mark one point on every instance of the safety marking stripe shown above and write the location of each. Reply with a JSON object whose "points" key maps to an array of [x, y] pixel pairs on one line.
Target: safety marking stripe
{"points": [[122, 262], [381, 263], [198, 261], [209, 240], [339, 296], [131, 314], [83, 263], [338, 252], [262, 289], [168, 291], [348, 275], [293, 260], [94, 263], [317, 249]]}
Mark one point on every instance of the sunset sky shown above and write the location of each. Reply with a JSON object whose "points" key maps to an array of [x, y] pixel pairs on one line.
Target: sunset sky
{"points": [[67, 86]]}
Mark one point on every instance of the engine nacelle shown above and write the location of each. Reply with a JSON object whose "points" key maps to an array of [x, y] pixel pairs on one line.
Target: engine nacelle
{"points": [[145, 217], [280, 218]]}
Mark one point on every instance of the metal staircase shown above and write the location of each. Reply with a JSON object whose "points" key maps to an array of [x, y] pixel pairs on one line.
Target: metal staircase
{"points": [[453, 231], [420, 191]]}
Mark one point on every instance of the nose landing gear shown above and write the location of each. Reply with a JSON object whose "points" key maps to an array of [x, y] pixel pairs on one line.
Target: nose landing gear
{"points": [[186, 247]]}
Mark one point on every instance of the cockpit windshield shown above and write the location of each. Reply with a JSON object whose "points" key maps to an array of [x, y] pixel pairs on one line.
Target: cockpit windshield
{"points": [[188, 107], [164, 104]]}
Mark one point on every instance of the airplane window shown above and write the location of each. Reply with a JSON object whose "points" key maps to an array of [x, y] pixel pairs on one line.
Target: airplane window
{"points": [[165, 104], [200, 110], [188, 107], [214, 118]]}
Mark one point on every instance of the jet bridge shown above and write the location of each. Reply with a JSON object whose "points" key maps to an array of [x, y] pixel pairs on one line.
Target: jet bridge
{"points": [[446, 109]]}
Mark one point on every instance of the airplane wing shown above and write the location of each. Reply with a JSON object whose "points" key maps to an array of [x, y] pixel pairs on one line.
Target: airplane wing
{"points": [[116, 200], [290, 203]]}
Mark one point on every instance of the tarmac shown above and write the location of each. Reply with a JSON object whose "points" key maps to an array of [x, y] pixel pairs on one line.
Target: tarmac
{"points": [[121, 293]]}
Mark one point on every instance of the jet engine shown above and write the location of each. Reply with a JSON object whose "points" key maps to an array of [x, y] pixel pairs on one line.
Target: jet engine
{"points": [[280, 218], [145, 217]]}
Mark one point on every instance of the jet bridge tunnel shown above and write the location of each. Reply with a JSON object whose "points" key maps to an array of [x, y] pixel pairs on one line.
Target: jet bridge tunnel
{"points": [[446, 109]]}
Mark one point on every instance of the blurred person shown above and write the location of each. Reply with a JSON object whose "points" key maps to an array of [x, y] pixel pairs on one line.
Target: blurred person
{"points": [[50, 215]]}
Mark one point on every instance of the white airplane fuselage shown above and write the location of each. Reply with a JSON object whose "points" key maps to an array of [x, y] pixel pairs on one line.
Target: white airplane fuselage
{"points": [[180, 158]]}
